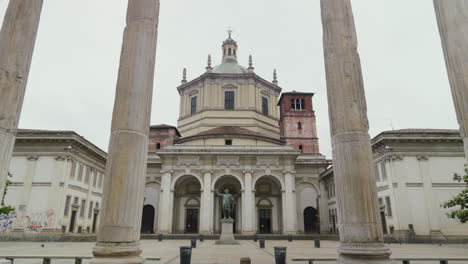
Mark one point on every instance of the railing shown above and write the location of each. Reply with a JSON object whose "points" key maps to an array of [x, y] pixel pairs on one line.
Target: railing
{"points": [[403, 260], [46, 259]]}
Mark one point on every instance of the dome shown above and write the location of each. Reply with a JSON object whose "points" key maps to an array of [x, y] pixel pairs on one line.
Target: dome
{"points": [[230, 67]]}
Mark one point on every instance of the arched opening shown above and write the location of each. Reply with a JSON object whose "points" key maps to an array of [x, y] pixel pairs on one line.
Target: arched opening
{"points": [[268, 201], [232, 184], [229, 52], [299, 125], [301, 148], [310, 220], [147, 222], [186, 205]]}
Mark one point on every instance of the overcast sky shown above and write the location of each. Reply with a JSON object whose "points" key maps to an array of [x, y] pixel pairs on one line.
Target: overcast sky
{"points": [[73, 75]]}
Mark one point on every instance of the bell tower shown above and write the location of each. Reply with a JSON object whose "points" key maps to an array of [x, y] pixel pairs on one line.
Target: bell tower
{"points": [[297, 121]]}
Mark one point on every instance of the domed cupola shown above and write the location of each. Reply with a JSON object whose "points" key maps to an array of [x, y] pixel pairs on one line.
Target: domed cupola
{"points": [[229, 49], [229, 63]]}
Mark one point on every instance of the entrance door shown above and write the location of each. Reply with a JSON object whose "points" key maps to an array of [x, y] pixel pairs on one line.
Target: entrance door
{"points": [[264, 221], [147, 222], [72, 221], [191, 220], [310, 220]]}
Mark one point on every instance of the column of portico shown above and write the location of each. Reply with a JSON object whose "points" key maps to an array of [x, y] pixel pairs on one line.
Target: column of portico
{"points": [[452, 17], [165, 206], [289, 203], [17, 39], [206, 206], [118, 239], [248, 208], [324, 214], [358, 215]]}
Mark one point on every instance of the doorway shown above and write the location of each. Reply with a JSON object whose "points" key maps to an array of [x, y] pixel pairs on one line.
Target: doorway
{"points": [[72, 221], [95, 222], [310, 220], [191, 220], [264, 221], [147, 222], [384, 222]]}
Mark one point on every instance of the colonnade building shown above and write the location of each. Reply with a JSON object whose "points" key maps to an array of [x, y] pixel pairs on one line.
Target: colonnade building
{"points": [[235, 132]]}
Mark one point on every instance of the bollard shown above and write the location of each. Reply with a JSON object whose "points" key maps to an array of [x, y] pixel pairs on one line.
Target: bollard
{"points": [[255, 238], [46, 261], [444, 262], [280, 255], [78, 261], [245, 261], [290, 238], [193, 243], [317, 243], [185, 255], [405, 262], [261, 242], [201, 238], [160, 237]]}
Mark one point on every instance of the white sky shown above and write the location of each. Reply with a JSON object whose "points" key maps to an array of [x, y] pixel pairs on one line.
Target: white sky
{"points": [[74, 68]]}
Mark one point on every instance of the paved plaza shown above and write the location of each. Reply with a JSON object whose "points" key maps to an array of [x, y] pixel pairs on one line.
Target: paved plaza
{"points": [[208, 252]]}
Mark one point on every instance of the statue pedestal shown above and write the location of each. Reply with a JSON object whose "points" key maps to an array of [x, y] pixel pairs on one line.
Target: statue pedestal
{"points": [[227, 236]]}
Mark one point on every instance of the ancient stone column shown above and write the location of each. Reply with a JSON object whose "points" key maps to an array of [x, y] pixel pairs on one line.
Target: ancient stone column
{"points": [[206, 203], [359, 224], [452, 17], [248, 210], [119, 229], [17, 38]]}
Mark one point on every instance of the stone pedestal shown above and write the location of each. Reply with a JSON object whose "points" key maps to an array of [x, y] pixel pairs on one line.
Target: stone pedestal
{"points": [[227, 236]]}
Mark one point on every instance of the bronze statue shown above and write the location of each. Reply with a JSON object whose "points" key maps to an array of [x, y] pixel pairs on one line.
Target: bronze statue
{"points": [[228, 203]]}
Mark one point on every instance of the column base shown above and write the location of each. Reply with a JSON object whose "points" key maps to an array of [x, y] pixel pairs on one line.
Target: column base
{"points": [[364, 253], [117, 253]]}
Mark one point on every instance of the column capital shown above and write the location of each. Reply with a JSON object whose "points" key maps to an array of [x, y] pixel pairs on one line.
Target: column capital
{"points": [[422, 157], [32, 157], [60, 158], [289, 171], [164, 171], [210, 171]]}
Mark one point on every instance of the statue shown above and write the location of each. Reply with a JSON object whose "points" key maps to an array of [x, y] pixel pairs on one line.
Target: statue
{"points": [[228, 203]]}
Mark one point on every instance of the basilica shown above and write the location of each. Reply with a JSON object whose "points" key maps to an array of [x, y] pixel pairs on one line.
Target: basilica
{"points": [[235, 132]]}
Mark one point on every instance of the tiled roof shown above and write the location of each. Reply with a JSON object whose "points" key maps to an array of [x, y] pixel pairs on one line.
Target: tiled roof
{"points": [[229, 130]]}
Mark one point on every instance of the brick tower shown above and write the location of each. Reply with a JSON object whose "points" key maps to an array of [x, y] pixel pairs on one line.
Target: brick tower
{"points": [[297, 121]]}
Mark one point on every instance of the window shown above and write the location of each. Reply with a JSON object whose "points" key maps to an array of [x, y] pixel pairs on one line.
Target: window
{"points": [[73, 169], [90, 211], [229, 51], [95, 176], [297, 104], [101, 177], [299, 125], [75, 201], [67, 205], [265, 106], [376, 171], [193, 105], [388, 206], [87, 173], [158, 146], [82, 209], [97, 205], [80, 172], [229, 100], [384, 172], [228, 142], [301, 147]]}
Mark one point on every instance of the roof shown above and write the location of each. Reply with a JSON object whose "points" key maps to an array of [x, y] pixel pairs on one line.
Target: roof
{"points": [[21, 130], [293, 93], [230, 131], [421, 131], [231, 67], [164, 126]]}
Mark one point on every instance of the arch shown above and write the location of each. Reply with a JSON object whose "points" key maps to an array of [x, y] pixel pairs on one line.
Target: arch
{"points": [[216, 179], [264, 202], [178, 177], [192, 202], [307, 195], [147, 221], [278, 180]]}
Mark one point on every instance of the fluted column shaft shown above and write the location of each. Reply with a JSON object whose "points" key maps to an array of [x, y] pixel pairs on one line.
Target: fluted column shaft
{"points": [[207, 203], [17, 39], [119, 228], [452, 17], [359, 224]]}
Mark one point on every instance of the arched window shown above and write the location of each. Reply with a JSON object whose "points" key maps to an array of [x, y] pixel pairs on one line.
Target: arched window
{"points": [[234, 52], [158, 146], [229, 51], [299, 125], [301, 148]]}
